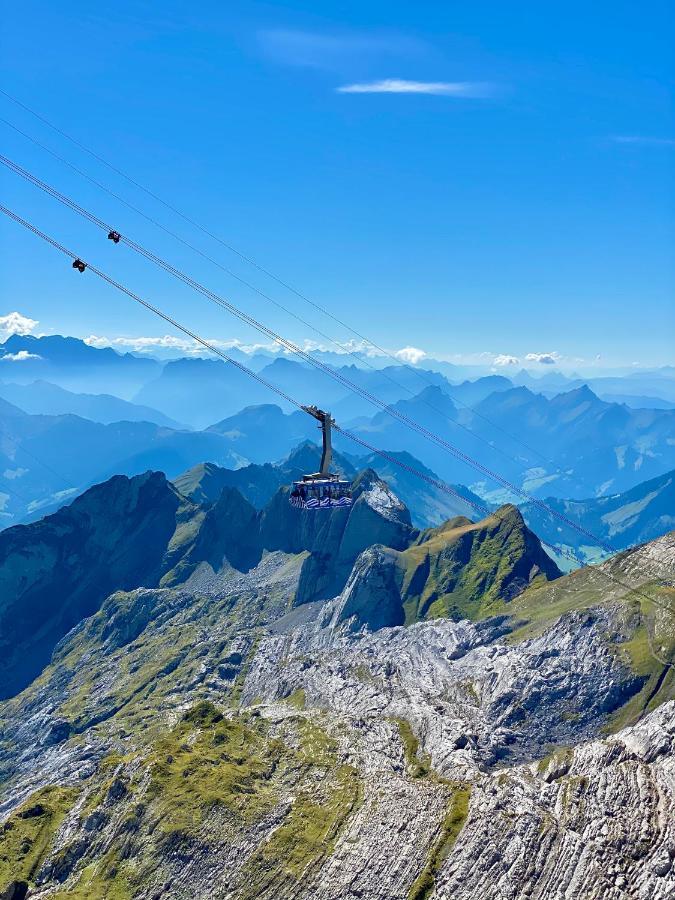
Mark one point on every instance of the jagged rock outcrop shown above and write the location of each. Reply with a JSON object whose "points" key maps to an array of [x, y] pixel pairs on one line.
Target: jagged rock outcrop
{"points": [[370, 598], [462, 569], [334, 541], [228, 535], [376, 517]]}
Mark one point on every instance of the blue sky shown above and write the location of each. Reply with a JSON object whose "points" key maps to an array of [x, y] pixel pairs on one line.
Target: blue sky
{"points": [[480, 181]]}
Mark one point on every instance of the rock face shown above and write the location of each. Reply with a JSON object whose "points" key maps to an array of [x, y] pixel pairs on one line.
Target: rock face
{"points": [[209, 736], [462, 569], [228, 534], [371, 597], [131, 532], [377, 517], [59, 570]]}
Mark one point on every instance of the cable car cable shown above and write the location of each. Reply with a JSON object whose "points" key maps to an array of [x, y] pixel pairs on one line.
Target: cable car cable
{"points": [[242, 256], [111, 281], [24, 173], [336, 375]]}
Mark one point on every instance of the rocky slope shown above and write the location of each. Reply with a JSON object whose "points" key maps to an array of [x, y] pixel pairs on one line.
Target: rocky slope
{"points": [[141, 531], [217, 739], [56, 571]]}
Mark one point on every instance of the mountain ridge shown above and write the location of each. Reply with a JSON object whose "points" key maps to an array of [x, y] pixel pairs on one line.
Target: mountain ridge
{"points": [[114, 522]]}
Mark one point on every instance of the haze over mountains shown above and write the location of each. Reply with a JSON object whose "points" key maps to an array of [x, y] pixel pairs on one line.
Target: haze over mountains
{"points": [[557, 441]]}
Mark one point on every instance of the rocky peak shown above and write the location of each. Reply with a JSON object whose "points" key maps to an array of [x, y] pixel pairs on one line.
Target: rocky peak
{"points": [[227, 535], [202, 483], [369, 488], [459, 570]]}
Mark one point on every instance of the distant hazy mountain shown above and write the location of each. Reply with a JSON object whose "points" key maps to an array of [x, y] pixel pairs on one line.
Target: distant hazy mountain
{"points": [[587, 446], [637, 402], [621, 520], [43, 398], [264, 433], [472, 392], [74, 365], [573, 444], [658, 382], [45, 459], [202, 391], [388, 384]]}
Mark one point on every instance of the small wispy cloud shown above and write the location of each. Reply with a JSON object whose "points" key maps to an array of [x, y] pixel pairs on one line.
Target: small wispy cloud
{"points": [[543, 359], [643, 140], [11, 474], [21, 356], [505, 359], [478, 89]]}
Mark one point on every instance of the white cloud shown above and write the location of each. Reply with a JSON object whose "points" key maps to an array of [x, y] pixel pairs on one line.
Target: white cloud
{"points": [[544, 359], [15, 323], [410, 355], [402, 86], [148, 344], [168, 343], [21, 356], [503, 359], [141, 344], [643, 140]]}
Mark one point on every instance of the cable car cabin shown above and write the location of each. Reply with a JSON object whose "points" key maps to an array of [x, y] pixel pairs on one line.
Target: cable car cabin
{"points": [[321, 493], [323, 489]]}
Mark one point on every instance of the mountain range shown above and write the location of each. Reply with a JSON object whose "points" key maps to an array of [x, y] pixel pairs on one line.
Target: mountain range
{"points": [[44, 459], [577, 452], [143, 531], [573, 443], [74, 365], [617, 520], [43, 398]]}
